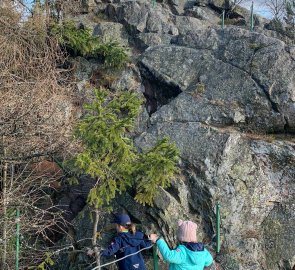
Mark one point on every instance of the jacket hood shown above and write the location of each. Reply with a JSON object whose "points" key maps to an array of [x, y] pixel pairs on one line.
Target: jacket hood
{"points": [[132, 240], [194, 246], [194, 251]]}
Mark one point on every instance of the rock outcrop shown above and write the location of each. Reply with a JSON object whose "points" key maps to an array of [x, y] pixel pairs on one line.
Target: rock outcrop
{"points": [[227, 99]]}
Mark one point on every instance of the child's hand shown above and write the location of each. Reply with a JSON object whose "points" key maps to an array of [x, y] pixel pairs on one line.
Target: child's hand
{"points": [[153, 237]]}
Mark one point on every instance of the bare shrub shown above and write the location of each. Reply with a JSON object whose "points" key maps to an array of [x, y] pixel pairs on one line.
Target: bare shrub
{"points": [[36, 111], [36, 117], [29, 190]]}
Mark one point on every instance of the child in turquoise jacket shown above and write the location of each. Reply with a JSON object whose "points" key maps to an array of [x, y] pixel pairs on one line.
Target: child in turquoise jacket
{"points": [[189, 254]]}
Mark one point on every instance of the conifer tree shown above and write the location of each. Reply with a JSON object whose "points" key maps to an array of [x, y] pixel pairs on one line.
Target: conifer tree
{"points": [[110, 157]]}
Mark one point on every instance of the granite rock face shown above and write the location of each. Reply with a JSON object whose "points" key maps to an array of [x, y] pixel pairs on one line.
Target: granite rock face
{"points": [[269, 62], [247, 177], [227, 99], [215, 76]]}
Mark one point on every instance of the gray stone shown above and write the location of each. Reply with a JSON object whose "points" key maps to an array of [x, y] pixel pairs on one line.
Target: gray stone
{"points": [[223, 167], [279, 241], [110, 31], [203, 13], [132, 14], [186, 24], [145, 40], [179, 7], [128, 79], [159, 21], [217, 3], [84, 68], [212, 100], [266, 60]]}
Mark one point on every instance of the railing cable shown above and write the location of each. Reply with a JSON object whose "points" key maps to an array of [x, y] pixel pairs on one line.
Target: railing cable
{"points": [[99, 267]]}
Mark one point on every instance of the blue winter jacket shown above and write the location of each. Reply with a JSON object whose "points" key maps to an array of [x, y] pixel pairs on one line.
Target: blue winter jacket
{"points": [[188, 256], [126, 243]]}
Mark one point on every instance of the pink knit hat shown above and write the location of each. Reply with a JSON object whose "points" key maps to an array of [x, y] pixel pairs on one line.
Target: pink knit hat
{"points": [[187, 231]]}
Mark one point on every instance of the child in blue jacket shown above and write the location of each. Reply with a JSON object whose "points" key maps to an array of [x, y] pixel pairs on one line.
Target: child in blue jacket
{"points": [[189, 254], [127, 241]]}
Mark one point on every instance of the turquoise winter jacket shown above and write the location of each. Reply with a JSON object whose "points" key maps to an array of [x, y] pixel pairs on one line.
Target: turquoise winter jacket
{"points": [[191, 256]]}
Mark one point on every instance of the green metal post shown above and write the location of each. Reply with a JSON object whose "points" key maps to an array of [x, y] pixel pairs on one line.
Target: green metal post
{"points": [[222, 20], [17, 239], [154, 3], [155, 258], [252, 18], [217, 228]]}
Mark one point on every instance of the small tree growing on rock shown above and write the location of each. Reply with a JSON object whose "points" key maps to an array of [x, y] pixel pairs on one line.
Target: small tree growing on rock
{"points": [[110, 157]]}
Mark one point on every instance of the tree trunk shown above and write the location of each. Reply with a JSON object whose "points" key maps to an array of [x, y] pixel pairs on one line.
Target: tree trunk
{"points": [[94, 238]]}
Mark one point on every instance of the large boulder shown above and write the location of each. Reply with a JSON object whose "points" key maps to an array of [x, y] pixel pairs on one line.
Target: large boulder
{"points": [[269, 62], [217, 92], [251, 179], [110, 31], [140, 18]]}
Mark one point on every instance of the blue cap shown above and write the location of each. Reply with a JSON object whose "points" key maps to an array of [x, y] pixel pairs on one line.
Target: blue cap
{"points": [[122, 219]]}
